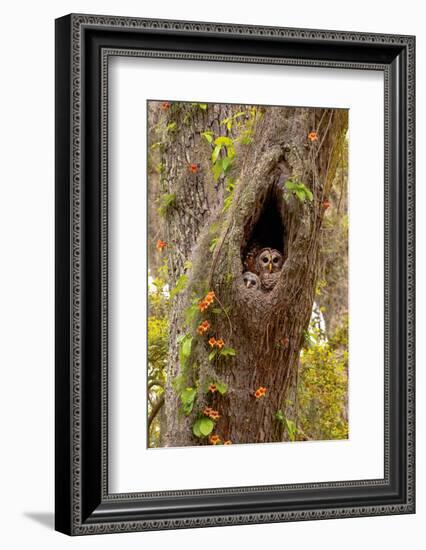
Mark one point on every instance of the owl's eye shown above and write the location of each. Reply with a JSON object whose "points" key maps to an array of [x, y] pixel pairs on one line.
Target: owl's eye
{"points": [[275, 260], [265, 260]]}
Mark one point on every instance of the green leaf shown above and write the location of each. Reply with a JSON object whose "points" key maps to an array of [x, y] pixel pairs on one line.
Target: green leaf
{"points": [[188, 395], [309, 194], [187, 398], [230, 184], [216, 152], [187, 408], [279, 415], [168, 198], [222, 388], [223, 140], [206, 426], [190, 313], [185, 350], [212, 355], [226, 164], [167, 201], [290, 185], [227, 203], [291, 429], [299, 189], [213, 244], [228, 121], [231, 152], [228, 352], [180, 286], [208, 136], [196, 429], [171, 127], [217, 169], [186, 346], [202, 106]]}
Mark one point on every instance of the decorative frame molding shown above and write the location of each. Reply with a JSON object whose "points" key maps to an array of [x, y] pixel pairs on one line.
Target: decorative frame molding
{"points": [[84, 44]]}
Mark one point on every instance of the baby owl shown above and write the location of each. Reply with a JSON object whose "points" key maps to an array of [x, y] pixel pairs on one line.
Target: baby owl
{"points": [[251, 280]]}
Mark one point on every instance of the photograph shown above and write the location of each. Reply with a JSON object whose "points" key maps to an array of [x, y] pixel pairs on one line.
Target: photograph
{"points": [[247, 252]]}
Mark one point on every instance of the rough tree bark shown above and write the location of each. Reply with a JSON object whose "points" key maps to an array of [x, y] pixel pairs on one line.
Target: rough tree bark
{"points": [[265, 329]]}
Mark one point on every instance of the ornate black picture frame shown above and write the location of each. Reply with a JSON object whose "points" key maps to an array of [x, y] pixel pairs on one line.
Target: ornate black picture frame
{"points": [[84, 44]]}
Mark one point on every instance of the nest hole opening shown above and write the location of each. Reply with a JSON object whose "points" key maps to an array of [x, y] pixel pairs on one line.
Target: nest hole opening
{"points": [[268, 231]]}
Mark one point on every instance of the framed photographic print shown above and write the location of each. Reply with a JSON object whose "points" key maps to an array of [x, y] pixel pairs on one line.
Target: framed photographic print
{"points": [[234, 274]]}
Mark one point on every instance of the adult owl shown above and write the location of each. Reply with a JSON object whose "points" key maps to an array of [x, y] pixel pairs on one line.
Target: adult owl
{"points": [[251, 280], [269, 260], [269, 280], [269, 263]]}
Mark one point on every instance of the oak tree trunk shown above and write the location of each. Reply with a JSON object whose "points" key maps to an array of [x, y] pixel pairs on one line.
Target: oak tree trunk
{"points": [[266, 329]]}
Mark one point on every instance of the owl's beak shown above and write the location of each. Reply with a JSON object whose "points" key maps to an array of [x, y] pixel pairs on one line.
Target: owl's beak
{"points": [[270, 267], [248, 284]]}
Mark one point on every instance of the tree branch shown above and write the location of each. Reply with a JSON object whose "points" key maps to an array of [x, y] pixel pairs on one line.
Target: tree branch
{"points": [[155, 383], [155, 409]]}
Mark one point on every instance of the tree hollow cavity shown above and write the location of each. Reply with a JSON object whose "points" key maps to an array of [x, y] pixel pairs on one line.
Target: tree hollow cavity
{"points": [[268, 229]]}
